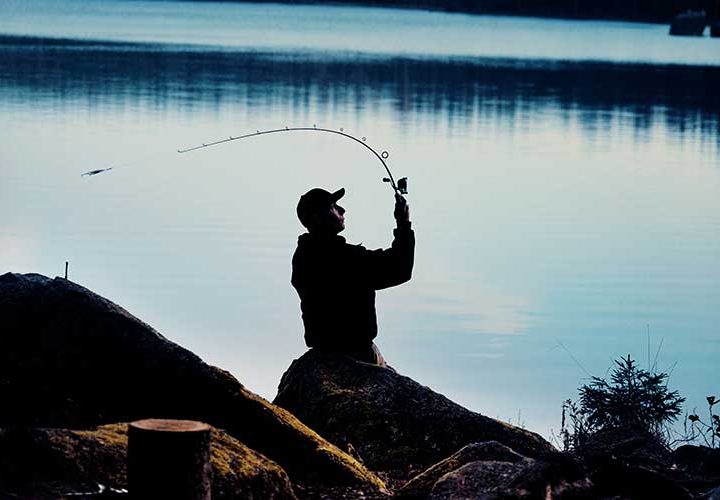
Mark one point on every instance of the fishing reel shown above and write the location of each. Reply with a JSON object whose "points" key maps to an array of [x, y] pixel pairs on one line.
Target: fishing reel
{"points": [[401, 184]]}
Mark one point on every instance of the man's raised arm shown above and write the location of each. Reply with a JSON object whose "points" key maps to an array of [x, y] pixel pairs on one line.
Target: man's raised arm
{"points": [[393, 266]]}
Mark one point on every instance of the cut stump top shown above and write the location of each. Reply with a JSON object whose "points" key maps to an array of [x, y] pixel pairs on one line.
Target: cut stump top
{"points": [[169, 425]]}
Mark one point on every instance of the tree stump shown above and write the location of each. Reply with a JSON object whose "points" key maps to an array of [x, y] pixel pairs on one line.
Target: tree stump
{"points": [[169, 459]]}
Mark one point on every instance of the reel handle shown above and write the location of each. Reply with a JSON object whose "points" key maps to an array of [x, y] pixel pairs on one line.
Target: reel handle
{"points": [[401, 184]]}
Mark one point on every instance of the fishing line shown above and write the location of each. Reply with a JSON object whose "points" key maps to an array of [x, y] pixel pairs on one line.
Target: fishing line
{"points": [[400, 187]]}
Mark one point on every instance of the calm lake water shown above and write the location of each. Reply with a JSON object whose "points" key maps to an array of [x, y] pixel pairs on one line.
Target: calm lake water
{"points": [[564, 183]]}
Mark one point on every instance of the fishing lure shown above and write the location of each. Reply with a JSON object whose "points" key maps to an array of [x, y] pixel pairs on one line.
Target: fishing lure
{"points": [[95, 172], [400, 187]]}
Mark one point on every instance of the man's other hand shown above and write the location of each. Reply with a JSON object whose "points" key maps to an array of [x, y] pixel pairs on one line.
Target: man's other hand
{"points": [[402, 210]]}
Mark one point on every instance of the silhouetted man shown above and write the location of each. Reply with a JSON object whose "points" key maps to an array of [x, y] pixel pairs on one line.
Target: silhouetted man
{"points": [[336, 281]]}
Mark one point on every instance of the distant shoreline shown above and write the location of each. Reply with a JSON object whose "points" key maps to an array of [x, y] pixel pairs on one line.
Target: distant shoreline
{"points": [[643, 11]]}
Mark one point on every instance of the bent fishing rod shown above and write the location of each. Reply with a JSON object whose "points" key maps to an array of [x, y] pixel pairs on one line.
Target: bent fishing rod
{"points": [[400, 187]]}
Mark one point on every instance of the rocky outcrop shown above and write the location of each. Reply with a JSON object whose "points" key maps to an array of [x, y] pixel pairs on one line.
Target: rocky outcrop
{"points": [[491, 470], [617, 464], [52, 463], [70, 358], [392, 422], [399, 427]]}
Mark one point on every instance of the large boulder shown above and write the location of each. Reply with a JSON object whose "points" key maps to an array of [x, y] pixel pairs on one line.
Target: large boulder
{"points": [[491, 470], [70, 358], [392, 422], [53, 463], [480, 480], [497, 480], [421, 485], [629, 464]]}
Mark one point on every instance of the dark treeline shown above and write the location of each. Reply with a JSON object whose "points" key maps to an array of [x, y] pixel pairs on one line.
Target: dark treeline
{"points": [[661, 11], [684, 98]]}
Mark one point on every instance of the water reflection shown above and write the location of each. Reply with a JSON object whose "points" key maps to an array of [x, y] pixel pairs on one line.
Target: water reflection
{"points": [[552, 201], [68, 73]]}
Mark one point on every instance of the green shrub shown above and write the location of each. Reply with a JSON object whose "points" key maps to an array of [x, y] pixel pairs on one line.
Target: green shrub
{"points": [[633, 400]]}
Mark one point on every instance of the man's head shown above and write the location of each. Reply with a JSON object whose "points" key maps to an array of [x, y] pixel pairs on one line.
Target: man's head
{"points": [[318, 211]]}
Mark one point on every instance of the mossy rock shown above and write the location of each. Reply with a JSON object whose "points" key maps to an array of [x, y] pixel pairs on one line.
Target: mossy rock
{"points": [[391, 421], [70, 358], [49, 463]]}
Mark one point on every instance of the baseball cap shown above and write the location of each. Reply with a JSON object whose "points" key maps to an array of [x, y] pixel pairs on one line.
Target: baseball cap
{"points": [[314, 200]]}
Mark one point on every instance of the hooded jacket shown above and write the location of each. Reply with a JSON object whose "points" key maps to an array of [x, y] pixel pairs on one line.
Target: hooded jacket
{"points": [[336, 282]]}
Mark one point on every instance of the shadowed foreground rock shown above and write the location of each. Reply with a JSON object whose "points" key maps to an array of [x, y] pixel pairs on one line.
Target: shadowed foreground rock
{"points": [[421, 485], [391, 421], [699, 459], [618, 464], [612, 465], [495, 480], [50, 463], [70, 358]]}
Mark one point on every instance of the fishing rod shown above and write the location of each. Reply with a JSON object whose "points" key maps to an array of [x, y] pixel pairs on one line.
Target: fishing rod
{"points": [[400, 187]]}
